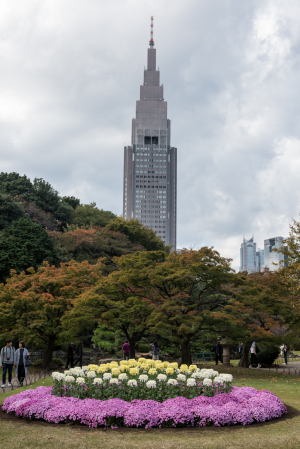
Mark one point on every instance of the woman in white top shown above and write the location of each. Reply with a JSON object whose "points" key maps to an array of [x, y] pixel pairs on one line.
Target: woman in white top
{"points": [[253, 356]]}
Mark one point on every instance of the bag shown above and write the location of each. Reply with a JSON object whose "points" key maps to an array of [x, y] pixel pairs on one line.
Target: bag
{"points": [[28, 362]]}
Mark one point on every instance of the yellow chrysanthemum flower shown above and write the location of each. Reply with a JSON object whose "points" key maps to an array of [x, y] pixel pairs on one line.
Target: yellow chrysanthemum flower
{"points": [[115, 371], [93, 367], [102, 369], [174, 365], [134, 371], [193, 368], [166, 364], [169, 371], [142, 359], [123, 362], [183, 368], [152, 372], [124, 368]]}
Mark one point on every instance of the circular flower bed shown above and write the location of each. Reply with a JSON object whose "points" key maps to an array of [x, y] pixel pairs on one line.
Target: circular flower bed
{"points": [[240, 406], [142, 379]]}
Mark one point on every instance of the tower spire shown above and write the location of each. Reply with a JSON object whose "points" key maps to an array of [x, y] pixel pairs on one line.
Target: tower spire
{"points": [[151, 42]]}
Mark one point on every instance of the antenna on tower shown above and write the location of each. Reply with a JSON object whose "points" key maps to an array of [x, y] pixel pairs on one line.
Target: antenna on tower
{"points": [[151, 42]]}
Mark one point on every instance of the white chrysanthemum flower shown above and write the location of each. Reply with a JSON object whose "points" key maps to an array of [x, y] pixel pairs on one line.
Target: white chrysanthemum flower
{"points": [[205, 375], [80, 380], [132, 383], [66, 372], [226, 377], [91, 374], [69, 378], [151, 384], [114, 380], [55, 374], [60, 376], [122, 376], [218, 380], [162, 377], [207, 382], [143, 377], [187, 372], [181, 377], [98, 380], [172, 382], [107, 376], [196, 375], [177, 370], [215, 373], [85, 368], [191, 382]]}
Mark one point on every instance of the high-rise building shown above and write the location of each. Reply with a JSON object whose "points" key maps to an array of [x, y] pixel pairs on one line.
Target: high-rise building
{"points": [[150, 162], [248, 256], [273, 257], [260, 259]]}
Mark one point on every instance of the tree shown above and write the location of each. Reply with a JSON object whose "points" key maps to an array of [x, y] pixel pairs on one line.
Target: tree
{"points": [[92, 244], [138, 234], [177, 296], [104, 337], [72, 201], [9, 210], [39, 216], [32, 305], [46, 197], [24, 244], [88, 215], [17, 186]]}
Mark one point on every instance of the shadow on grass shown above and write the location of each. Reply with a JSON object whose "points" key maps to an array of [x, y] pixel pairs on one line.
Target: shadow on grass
{"points": [[292, 413]]}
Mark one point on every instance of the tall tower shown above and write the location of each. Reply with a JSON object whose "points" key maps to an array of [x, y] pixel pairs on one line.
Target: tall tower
{"points": [[150, 163]]}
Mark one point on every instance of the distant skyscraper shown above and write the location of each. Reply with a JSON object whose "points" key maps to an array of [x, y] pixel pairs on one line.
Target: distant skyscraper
{"points": [[260, 259], [272, 257], [248, 256], [150, 163]]}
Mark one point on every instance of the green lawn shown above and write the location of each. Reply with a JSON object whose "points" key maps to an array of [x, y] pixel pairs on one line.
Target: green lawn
{"points": [[276, 434]]}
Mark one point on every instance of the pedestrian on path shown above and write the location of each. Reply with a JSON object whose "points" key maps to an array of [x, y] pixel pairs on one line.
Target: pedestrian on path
{"points": [[126, 350], [285, 351], [254, 350], [70, 356], [155, 351], [21, 357], [7, 361], [219, 352], [79, 353]]}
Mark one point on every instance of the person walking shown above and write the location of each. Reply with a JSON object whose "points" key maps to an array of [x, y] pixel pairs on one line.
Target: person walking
{"points": [[285, 351], [126, 350], [21, 357], [79, 353], [219, 352], [241, 348], [253, 351], [70, 356], [7, 361], [155, 351]]}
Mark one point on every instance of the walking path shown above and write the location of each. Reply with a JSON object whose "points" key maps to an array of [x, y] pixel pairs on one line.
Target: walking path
{"points": [[27, 381], [291, 368]]}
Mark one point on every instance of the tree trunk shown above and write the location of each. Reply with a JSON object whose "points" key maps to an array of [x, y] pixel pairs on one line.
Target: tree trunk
{"points": [[132, 348], [49, 351], [186, 358], [244, 362]]}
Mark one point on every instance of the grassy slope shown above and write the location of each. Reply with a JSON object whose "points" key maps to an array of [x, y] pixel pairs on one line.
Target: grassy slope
{"points": [[278, 434]]}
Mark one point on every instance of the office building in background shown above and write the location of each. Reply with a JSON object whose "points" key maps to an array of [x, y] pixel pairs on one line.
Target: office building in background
{"points": [[248, 256], [274, 260], [150, 162]]}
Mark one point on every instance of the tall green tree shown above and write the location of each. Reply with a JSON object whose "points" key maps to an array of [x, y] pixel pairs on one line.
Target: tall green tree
{"points": [[9, 210], [88, 216], [138, 234], [24, 244], [17, 186]]}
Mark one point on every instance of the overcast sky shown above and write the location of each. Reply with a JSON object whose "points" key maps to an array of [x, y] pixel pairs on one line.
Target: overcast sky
{"points": [[70, 72]]}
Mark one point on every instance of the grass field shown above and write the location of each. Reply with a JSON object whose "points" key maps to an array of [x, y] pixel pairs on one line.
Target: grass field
{"points": [[283, 433]]}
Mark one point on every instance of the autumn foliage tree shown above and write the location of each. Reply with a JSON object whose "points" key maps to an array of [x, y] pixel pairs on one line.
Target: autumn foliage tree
{"points": [[33, 304]]}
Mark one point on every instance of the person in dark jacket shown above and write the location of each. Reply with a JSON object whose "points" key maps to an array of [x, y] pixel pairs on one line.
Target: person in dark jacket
{"points": [[79, 353], [219, 352], [126, 350], [21, 358], [70, 356]]}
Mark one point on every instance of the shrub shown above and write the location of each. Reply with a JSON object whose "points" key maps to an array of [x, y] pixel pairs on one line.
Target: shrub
{"points": [[144, 347], [268, 353]]}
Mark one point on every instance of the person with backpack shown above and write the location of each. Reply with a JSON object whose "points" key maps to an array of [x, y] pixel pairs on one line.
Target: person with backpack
{"points": [[155, 351], [254, 350], [21, 358], [7, 361], [126, 350]]}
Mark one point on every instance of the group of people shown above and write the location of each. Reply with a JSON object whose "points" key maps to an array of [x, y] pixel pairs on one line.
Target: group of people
{"points": [[154, 348], [11, 358], [72, 350]]}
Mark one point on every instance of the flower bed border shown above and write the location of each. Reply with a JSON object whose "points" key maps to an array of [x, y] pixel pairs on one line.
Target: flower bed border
{"points": [[244, 405]]}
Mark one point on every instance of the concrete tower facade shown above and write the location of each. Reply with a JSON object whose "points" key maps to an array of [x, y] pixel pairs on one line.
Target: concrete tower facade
{"points": [[150, 163]]}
